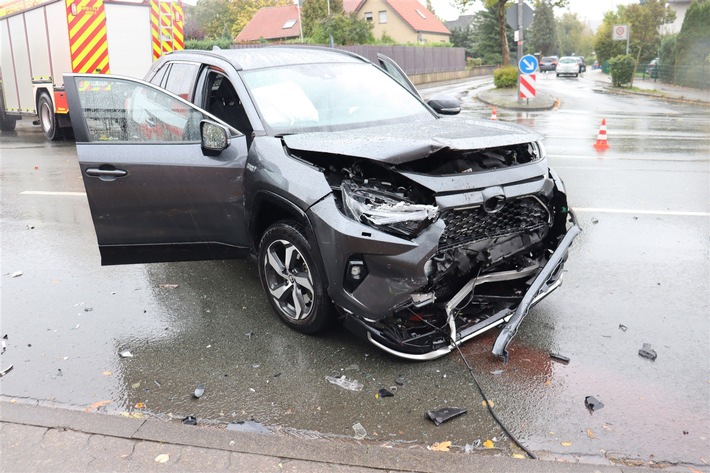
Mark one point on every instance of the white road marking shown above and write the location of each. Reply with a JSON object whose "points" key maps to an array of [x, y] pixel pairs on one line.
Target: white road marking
{"points": [[642, 212], [72, 194]]}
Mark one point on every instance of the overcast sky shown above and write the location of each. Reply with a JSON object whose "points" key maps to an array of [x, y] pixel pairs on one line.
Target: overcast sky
{"points": [[591, 10]]}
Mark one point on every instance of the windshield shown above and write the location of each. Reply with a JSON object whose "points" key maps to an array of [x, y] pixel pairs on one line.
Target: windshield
{"points": [[334, 96]]}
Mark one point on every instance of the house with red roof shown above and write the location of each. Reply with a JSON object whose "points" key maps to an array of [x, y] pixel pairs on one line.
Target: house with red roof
{"points": [[272, 24], [406, 21]]}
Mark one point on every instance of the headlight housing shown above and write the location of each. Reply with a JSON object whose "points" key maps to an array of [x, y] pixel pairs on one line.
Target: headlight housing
{"points": [[386, 211]]}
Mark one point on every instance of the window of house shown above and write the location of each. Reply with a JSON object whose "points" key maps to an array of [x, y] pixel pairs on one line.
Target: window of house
{"points": [[383, 16], [368, 16], [288, 24], [421, 14]]}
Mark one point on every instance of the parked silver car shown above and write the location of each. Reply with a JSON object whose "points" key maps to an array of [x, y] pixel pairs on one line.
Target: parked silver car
{"points": [[568, 65]]}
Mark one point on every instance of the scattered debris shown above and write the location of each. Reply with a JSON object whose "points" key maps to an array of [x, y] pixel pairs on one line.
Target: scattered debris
{"points": [[360, 432], [590, 434], [190, 420], [385, 393], [488, 402], [592, 404], [6, 370], [345, 383], [136, 385], [4, 343], [470, 447], [497, 372], [140, 405], [441, 446], [199, 391], [168, 286], [248, 426], [16, 274], [488, 444], [399, 380], [518, 456], [88, 309], [157, 383], [106, 373], [566, 444], [623, 327], [98, 405], [647, 352], [162, 458], [126, 354], [59, 372], [560, 358], [249, 335], [445, 414], [595, 221]]}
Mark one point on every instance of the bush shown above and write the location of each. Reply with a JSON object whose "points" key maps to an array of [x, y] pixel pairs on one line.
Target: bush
{"points": [[206, 44], [504, 77], [473, 62], [622, 69]]}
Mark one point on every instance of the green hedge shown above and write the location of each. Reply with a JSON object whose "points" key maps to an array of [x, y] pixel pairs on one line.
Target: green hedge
{"points": [[207, 44], [505, 77], [622, 69]]}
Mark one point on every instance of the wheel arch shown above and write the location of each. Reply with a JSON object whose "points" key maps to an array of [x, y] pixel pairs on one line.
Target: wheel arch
{"points": [[269, 208]]}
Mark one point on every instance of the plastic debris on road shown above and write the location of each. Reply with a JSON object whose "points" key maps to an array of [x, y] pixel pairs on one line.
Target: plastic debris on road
{"points": [[199, 391], [360, 432], [560, 358], [17, 274], [445, 414], [126, 354], [623, 327], [647, 352], [592, 404], [190, 420], [163, 458], [248, 426], [399, 380], [345, 383], [4, 343], [385, 393], [6, 370]]}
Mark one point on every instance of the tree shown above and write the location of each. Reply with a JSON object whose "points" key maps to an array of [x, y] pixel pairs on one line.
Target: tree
{"points": [[483, 37], [210, 18], [574, 37], [500, 7], [314, 11], [543, 33], [344, 28], [692, 48], [604, 46]]}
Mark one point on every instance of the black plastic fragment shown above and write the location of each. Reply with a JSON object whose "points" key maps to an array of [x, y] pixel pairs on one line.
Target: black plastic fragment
{"points": [[592, 404], [445, 414], [560, 358], [189, 420], [623, 327], [385, 393], [647, 352], [199, 390]]}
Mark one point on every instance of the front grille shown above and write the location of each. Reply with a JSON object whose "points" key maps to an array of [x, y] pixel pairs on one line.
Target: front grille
{"points": [[473, 224]]}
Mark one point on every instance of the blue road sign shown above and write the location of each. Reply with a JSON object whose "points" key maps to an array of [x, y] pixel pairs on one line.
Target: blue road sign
{"points": [[528, 64]]}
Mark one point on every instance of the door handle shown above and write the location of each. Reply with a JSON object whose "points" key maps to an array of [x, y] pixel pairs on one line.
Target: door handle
{"points": [[106, 173]]}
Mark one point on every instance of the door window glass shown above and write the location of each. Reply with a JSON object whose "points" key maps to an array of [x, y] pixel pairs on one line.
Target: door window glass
{"points": [[120, 110], [181, 79]]}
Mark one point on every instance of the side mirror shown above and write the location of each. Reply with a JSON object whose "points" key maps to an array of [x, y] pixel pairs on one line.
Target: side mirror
{"points": [[445, 105], [215, 137]]}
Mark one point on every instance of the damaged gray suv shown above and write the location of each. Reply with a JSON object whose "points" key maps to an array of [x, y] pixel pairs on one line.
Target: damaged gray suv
{"points": [[358, 199]]}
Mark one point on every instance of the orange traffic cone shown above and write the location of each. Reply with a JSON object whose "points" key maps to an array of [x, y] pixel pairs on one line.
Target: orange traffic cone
{"points": [[602, 143], [494, 116]]}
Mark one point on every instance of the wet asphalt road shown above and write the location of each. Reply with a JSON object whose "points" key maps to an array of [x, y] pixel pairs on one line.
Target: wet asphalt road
{"points": [[642, 262]]}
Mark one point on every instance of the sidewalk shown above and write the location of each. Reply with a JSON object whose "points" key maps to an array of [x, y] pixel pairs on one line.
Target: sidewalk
{"points": [[653, 88], [37, 438]]}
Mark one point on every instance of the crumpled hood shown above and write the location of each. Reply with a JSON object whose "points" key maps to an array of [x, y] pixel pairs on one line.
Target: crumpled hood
{"points": [[401, 143]]}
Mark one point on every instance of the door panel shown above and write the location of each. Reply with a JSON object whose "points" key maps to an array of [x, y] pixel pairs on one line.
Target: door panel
{"points": [[154, 195]]}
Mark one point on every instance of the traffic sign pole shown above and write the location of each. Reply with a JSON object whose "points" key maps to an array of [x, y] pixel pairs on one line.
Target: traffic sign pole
{"points": [[520, 42]]}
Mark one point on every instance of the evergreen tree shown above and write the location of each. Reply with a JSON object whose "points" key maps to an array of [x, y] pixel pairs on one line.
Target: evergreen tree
{"points": [[543, 33], [692, 48]]}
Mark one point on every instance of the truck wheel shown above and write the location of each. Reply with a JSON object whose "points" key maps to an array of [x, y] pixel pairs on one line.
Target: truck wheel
{"points": [[47, 119], [6, 123]]}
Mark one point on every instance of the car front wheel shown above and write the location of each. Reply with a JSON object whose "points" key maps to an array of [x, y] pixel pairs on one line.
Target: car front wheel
{"points": [[293, 278]]}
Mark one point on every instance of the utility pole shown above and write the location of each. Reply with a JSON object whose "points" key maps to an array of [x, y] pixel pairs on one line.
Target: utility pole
{"points": [[520, 43]]}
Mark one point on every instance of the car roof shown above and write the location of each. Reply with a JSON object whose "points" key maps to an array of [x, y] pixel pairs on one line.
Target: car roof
{"points": [[271, 56]]}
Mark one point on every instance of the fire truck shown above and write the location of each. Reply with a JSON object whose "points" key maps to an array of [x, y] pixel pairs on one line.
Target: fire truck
{"points": [[40, 40]]}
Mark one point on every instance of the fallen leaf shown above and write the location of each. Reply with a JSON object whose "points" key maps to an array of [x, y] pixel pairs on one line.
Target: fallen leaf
{"points": [[694, 470], [96, 405], [140, 405], [441, 446], [106, 373], [136, 385], [490, 403], [566, 444], [548, 382], [518, 455], [590, 434], [488, 443], [162, 458]]}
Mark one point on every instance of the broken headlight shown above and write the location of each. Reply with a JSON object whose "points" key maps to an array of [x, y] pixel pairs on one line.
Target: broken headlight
{"points": [[385, 210]]}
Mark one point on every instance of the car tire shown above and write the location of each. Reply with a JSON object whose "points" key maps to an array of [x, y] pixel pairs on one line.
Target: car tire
{"points": [[293, 278], [576, 75], [47, 118], [558, 75]]}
